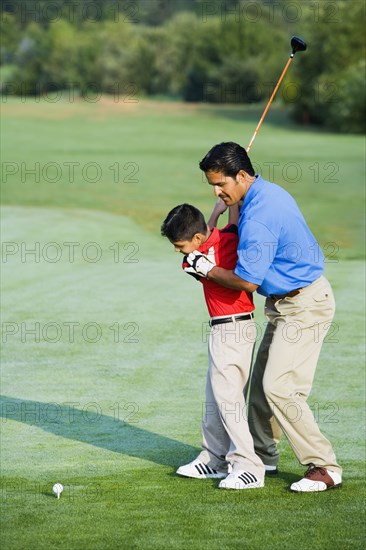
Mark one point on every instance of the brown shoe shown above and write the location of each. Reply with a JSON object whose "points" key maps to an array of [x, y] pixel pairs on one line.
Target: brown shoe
{"points": [[317, 479]]}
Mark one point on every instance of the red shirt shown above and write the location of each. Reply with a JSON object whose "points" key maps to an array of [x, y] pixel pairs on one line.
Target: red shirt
{"points": [[219, 299]]}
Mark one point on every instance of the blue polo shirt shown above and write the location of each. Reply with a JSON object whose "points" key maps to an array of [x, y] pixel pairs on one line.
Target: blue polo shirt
{"points": [[277, 250]]}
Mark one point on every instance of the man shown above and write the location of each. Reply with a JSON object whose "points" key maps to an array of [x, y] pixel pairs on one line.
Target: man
{"points": [[279, 258]]}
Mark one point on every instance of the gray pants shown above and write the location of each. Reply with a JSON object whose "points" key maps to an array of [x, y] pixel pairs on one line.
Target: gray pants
{"points": [[225, 430], [283, 375]]}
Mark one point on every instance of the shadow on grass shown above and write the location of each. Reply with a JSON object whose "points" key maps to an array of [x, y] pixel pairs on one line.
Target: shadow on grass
{"points": [[94, 428]]}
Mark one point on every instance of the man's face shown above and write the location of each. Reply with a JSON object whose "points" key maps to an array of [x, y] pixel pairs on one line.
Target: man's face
{"points": [[230, 190]]}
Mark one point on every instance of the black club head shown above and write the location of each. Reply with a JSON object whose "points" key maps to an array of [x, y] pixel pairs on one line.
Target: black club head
{"points": [[297, 45]]}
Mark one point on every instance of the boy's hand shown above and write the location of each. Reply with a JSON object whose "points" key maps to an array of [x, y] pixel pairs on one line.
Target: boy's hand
{"points": [[188, 269], [201, 263]]}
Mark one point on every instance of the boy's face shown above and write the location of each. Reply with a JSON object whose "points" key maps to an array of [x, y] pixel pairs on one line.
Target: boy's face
{"points": [[186, 247]]}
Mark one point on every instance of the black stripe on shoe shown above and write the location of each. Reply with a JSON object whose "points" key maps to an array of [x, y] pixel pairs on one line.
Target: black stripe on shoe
{"points": [[203, 469], [248, 478], [199, 468], [209, 470]]}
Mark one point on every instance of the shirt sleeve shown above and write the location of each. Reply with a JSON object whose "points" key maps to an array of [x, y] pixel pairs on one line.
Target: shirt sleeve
{"points": [[256, 251]]}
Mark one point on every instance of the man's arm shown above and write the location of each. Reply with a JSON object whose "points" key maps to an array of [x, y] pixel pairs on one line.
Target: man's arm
{"points": [[227, 277], [234, 214], [219, 209]]}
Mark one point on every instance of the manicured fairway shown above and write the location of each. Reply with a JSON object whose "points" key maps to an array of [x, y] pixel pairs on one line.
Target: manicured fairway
{"points": [[104, 337]]}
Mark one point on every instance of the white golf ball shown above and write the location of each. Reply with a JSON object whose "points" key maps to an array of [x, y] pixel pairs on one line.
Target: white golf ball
{"points": [[57, 489]]}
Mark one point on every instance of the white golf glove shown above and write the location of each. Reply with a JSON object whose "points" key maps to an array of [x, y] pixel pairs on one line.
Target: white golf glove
{"points": [[200, 264]]}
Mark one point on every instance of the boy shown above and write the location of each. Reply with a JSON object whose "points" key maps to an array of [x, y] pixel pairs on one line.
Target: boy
{"points": [[227, 446]]}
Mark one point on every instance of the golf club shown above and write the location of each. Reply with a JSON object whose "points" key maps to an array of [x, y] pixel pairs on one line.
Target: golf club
{"points": [[297, 45]]}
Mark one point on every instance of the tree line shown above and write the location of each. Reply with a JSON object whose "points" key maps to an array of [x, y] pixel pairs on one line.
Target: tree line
{"points": [[196, 50]]}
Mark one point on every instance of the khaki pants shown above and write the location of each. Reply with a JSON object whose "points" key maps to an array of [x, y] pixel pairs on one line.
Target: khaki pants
{"points": [[283, 375], [225, 430]]}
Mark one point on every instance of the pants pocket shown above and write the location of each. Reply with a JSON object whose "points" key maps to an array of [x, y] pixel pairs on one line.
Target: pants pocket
{"points": [[322, 295]]}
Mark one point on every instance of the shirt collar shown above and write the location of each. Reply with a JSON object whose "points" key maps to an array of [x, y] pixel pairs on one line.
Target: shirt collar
{"points": [[211, 241], [252, 191]]}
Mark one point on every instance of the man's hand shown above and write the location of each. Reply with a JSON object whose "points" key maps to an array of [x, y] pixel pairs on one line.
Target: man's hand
{"points": [[200, 263], [220, 206], [219, 209]]}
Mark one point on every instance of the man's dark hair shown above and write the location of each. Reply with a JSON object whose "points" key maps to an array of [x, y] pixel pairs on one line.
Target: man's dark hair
{"points": [[183, 222], [228, 158]]}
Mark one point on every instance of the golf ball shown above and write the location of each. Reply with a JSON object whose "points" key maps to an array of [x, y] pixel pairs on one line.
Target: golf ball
{"points": [[57, 489]]}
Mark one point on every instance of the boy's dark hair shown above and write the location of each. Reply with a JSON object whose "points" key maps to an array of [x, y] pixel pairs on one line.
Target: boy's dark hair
{"points": [[183, 222], [228, 158]]}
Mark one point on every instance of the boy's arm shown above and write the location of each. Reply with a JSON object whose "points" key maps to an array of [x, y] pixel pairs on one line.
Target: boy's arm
{"points": [[219, 209]]}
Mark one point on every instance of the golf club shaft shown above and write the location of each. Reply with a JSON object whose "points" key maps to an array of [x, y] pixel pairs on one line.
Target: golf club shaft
{"points": [[269, 102]]}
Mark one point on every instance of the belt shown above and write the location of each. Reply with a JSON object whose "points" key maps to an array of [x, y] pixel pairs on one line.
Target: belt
{"points": [[232, 319], [290, 294]]}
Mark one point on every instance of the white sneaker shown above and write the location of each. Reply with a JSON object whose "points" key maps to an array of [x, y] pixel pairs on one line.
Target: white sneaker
{"points": [[199, 470], [317, 479], [240, 479]]}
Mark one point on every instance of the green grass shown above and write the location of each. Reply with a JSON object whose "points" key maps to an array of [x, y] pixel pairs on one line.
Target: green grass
{"points": [[112, 420], [157, 147]]}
